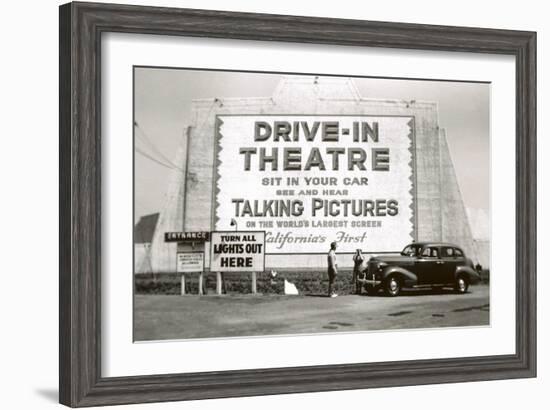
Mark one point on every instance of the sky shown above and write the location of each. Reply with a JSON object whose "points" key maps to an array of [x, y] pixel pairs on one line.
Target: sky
{"points": [[163, 97]]}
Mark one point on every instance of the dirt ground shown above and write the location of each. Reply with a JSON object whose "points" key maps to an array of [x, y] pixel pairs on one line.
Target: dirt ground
{"points": [[161, 317]]}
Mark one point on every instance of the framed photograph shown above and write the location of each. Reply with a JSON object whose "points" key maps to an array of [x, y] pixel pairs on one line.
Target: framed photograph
{"points": [[259, 204]]}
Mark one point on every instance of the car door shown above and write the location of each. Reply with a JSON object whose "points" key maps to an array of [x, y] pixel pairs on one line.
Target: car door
{"points": [[426, 266], [447, 268]]}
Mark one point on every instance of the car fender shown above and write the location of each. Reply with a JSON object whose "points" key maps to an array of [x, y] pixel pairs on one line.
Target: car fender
{"points": [[409, 277], [470, 273]]}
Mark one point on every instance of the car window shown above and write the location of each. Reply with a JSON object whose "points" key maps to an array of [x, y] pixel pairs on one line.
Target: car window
{"points": [[458, 252], [411, 250], [430, 252], [448, 252]]}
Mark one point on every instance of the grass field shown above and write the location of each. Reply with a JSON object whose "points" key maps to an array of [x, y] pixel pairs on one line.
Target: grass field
{"points": [[308, 282]]}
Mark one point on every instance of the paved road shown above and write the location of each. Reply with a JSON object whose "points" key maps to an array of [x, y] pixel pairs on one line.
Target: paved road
{"points": [[159, 317]]}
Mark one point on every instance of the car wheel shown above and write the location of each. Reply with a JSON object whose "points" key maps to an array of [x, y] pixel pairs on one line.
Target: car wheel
{"points": [[392, 286], [461, 285]]}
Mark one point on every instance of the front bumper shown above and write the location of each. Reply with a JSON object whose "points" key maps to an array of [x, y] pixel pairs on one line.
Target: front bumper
{"points": [[373, 282]]}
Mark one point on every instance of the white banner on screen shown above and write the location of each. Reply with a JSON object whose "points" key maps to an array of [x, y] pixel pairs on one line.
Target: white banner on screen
{"points": [[309, 180]]}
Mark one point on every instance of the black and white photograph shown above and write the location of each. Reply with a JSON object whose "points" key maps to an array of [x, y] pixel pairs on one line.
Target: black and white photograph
{"points": [[273, 204]]}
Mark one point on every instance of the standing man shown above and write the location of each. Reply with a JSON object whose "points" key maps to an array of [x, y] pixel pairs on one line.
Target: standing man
{"points": [[358, 269], [332, 269]]}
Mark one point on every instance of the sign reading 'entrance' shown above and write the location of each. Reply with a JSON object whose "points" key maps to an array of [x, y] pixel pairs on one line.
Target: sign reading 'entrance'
{"points": [[186, 236]]}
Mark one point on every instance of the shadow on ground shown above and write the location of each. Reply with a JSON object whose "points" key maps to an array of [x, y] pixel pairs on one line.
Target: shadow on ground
{"points": [[49, 394], [418, 292]]}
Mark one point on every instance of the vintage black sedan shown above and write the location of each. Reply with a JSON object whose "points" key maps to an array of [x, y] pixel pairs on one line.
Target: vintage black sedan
{"points": [[421, 264]]}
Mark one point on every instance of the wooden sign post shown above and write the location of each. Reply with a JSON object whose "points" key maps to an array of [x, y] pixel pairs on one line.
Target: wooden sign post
{"points": [[218, 283], [201, 292], [254, 290], [183, 284]]}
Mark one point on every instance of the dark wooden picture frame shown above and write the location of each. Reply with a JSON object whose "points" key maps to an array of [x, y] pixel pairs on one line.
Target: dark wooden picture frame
{"points": [[81, 27]]}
